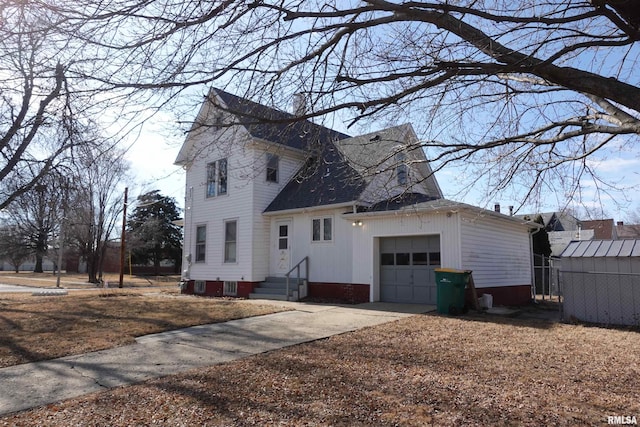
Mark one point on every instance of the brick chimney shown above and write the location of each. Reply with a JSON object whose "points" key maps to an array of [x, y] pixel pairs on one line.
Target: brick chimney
{"points": [[496, 207], [299, 104]]}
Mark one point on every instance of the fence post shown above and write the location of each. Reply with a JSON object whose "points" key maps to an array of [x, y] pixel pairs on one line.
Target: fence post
{"points": [[542, 277]]}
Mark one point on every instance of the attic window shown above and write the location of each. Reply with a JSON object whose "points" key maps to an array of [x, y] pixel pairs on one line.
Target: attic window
{"points": [[272, 167], [217, 121], [402, 170]]}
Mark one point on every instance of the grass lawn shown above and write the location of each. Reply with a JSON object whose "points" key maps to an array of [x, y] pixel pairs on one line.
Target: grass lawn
{"points": [[46, 327], [423, 370]]}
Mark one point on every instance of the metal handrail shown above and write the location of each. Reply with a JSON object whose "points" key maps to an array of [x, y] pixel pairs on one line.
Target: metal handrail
{"points": [[297, 268]]}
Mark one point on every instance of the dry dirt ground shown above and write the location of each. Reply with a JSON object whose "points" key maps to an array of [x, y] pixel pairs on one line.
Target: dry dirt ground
{"points": [[79, 281], [424, 370], [45, 327]]}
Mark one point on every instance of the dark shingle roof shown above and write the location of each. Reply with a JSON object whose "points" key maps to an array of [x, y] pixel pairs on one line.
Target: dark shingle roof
{"points": [[277, 126], [401, 201], [325, 179]]}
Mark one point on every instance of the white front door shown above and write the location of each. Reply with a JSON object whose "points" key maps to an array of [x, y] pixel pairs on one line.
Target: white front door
{"points": [[281, 258]]}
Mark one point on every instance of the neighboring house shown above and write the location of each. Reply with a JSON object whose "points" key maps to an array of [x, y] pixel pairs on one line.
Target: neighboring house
{"points": [[627, 231], [559, 240], [366, 212], [562, 229], [603, 229]]}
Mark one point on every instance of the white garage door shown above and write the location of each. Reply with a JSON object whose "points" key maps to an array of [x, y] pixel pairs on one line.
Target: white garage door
{"points": [[406, 269]]}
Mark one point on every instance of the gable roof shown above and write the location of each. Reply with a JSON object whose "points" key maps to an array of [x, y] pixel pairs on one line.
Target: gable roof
{"points": [[374, 152], [339, 169], [276, 126], [554, 221], [259, 121], [326, 178]]}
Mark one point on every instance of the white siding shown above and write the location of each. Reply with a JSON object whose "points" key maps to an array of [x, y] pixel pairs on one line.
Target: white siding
{"points": [[366, 238], [237, 204], [263, 193], [498, 252], [329, 262]]}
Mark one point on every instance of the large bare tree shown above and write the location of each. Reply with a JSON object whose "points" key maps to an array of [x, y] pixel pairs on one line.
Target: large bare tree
{"points": [[36, 215], [97, 200], [36, 117], [522, 93]]}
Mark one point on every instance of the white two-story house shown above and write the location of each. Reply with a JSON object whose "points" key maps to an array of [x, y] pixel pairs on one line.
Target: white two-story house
{"points": [[351, 218]]}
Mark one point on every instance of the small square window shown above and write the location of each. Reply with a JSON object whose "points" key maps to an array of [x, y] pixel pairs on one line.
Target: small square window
{"points": [[322, 229], [434, 258], [387, 259], [402, 258], [420, 258]]}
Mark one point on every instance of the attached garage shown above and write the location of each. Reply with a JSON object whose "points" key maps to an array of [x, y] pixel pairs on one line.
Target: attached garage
{"points": [[396, 252], [407, 269]]}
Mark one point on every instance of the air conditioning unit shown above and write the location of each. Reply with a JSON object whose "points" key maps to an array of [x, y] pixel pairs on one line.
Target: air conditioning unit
{"points": [[199, 286], [230, 288]]}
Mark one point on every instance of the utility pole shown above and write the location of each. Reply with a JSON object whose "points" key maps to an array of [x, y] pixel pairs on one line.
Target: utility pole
{"points": [[61, 235], [122, 238]]}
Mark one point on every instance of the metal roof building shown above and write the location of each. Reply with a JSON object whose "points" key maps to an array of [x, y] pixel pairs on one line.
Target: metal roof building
{"points": [[600, 281]]}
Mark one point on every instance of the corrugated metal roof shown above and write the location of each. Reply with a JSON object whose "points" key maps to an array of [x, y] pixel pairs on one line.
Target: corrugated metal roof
{"points": [[602, 248]]}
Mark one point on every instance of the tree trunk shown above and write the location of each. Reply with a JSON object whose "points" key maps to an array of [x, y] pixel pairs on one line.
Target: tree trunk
{"points": [[38, 266]]}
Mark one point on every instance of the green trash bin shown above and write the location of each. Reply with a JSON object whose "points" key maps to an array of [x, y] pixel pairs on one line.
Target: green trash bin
{"points": [[450, 290]]}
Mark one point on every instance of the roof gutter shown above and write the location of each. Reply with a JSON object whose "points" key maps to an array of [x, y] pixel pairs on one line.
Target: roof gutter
{"points": [[453, 208], [312, 209]]}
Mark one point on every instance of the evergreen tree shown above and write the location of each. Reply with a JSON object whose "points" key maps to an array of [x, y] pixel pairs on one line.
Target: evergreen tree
{"points": [[541, 245], [152, 234]]}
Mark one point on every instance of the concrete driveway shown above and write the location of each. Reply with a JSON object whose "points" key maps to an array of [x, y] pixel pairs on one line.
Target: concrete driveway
{"points": [[35, 384]]}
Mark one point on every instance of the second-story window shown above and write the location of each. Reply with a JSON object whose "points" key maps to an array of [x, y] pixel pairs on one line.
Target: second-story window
{"points": [[272, 167], [217, 178]]}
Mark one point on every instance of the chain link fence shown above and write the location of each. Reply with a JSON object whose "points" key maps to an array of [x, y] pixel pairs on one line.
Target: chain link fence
{"points": [[546, 277], [600, 297]]}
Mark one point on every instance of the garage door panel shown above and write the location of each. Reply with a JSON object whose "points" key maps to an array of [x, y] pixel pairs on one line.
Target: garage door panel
{"points": [[404, 293], [421, 276], [421, 293], [404, 276], [411, 279], [404, 244], [388, 294]]}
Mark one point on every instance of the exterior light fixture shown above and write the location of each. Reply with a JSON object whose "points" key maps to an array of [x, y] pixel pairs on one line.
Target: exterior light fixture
{"points": [[357, 223]]}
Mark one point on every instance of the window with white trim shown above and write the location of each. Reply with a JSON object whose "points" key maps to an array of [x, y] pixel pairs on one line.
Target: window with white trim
{"points": [[230, 288], [201, 243], [217, 178], [199, 286], [322, 229], [272, 167], [230, 241]]}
